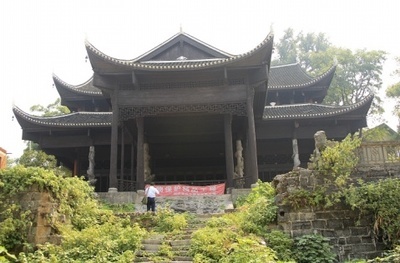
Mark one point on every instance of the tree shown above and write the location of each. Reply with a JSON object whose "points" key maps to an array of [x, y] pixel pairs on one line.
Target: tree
{"points": [[34, 157], [394, 92], [53, 109], [358, 73]]}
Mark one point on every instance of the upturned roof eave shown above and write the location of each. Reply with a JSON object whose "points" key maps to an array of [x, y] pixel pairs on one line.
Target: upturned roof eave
{"points": [[321, 82], [104, 64], [334, 111], [63, 87], [59, 121]]}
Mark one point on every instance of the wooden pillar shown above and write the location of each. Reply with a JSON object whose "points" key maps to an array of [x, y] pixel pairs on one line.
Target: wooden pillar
{"points": [[252, 143], [122, 152], [140, 154], [132, 160], [113, 185], [228, 150], [76, 167]]}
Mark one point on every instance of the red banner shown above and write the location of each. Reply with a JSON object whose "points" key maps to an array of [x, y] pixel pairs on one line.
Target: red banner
{"points": [[184, 190]]}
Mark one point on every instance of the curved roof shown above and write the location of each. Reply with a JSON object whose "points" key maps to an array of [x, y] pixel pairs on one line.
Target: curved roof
{"points": [[85, 88], [292, 76], [72, 120], [309, 110], [103, 63]]}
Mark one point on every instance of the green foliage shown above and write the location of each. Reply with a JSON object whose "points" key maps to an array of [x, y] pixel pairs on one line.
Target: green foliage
{"points": [[380, 199], [339, 159], [37, 158], [167, 221], [249, 250], [6, 257], [235, 237], [357, 73], [392, 256], [51, 110], [118, 208], [89, 234], [258, 208], [332, 171], [211, 243], [262, 189], [113, 241], [313, 248], [394, 90], [281, 243], [164, 221], [258, 215], [301, 198]]}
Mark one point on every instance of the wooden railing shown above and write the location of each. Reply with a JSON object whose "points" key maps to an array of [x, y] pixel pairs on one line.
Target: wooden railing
{"points": [[379, 153]]}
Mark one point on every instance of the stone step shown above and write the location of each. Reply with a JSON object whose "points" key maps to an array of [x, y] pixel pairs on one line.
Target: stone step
{"points": [[180, 243]]}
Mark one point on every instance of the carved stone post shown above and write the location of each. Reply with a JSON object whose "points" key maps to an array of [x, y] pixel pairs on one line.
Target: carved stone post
{"points": [[90, 170], [239, 168], [295, 146]]}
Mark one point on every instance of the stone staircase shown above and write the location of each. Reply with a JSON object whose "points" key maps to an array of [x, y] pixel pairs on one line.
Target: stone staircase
{"points": [[162, 248]]}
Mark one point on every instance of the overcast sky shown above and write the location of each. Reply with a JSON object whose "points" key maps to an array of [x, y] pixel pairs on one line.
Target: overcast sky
{"points": [[39, 38]]}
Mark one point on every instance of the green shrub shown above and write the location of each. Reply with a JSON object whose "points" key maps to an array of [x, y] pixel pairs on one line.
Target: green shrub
{"points": [[258, 215], [392, 256], [89, 233], [212, 244], [313, 248], [281, 243], [339, 159], [262, 189], [332, 169], [113, 241], [6, 257], [380, 199], [166, 220], [249, 250]]}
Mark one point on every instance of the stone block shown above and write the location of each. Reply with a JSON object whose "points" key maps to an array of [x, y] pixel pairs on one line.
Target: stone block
{"points": [[301, 232], [347, 223], [353, 240], [301, 225], [360, 231], [343, 232], [305, 216], [293, 216], [335, 224], [363, 248], [328, 233], [341, 241], [319, 224]]}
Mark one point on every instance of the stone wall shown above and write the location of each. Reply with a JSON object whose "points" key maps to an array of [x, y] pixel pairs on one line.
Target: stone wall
{"points": [[351, 236], [42, 208]]}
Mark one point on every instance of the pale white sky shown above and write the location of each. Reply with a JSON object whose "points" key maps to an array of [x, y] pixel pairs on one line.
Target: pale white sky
{"points": [[39, 38]]}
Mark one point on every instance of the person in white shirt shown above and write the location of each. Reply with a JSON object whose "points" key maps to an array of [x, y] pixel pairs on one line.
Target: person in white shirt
{"points": [[151, 192]]}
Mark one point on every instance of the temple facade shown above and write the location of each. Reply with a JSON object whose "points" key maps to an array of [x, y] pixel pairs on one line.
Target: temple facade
{"points": [[187, 112]]}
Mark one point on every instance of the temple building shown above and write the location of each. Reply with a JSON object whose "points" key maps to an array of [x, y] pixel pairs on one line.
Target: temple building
{"points": [[187, 112]]}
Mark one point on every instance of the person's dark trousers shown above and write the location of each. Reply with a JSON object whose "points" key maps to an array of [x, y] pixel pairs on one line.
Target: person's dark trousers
{"points": [[151, 204]]}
